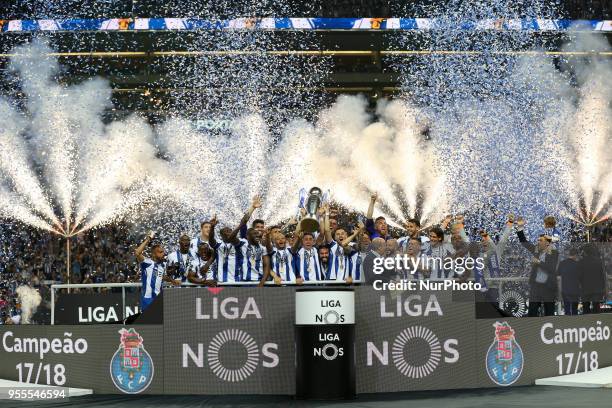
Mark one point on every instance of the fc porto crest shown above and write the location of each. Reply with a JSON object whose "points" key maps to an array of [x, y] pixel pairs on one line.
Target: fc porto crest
{"points": [[131, 367], [505, 357]]}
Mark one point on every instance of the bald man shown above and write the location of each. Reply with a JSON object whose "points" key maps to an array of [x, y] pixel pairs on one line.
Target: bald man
{"points": [[378, 250], [181, 261]]}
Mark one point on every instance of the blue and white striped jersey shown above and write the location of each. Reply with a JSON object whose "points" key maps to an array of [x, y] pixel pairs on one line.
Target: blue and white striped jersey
{"points": [[184, 263], [229, 262], [339, 265], [152, 274], [252, 261], [282, 263], [307, 264], [194, 243], [198, 267], [357, 265]]}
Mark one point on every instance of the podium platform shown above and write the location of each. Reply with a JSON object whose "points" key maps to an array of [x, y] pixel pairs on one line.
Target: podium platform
{"points": [[600, 378], [16, 385]]}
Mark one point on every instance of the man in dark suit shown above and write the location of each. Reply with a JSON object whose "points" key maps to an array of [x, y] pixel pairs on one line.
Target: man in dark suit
{"points": [[373, 263], [569, 271], [543, 275]]}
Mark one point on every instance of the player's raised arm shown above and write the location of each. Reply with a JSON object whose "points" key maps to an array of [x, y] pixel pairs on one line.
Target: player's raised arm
{"points": [[211, 236], [356, 232], [267, 240], [247, 216], [140, 249], [503, 241], [292, 221], [370, 214], [298, 241], [325, 225], [520, 233]]}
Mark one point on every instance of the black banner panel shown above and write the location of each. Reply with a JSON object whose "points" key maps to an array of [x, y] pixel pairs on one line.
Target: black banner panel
{"points": [[95, 308], [229, 341], [110, 359], [325, 343], [243, 341], [413, 341]]}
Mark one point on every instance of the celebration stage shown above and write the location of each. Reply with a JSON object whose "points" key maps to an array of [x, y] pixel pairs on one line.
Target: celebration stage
{"points": [[224, 341]]}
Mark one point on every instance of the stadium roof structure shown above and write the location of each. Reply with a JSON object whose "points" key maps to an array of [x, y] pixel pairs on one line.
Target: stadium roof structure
{"points": [[133, 53]]}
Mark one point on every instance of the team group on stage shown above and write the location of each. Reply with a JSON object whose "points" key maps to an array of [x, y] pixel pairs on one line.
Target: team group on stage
{"points": [[288, 255]]}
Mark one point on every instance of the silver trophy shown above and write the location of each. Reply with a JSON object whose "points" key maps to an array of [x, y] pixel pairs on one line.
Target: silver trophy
{"points": [[310, 223]]}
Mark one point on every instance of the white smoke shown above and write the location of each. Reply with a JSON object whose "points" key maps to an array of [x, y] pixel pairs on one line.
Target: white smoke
{"points": [[358, 154], [583, 136], [14, 166], [91, 173], [29, 298]]}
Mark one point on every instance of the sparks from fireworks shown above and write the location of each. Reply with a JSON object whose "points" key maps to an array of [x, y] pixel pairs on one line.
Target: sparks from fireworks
{"points": [[63, 170], [379, 160], [588, 136], [506, 122]]}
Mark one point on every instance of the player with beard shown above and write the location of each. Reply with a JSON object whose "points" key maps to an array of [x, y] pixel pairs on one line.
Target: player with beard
{"points": [[376, 228], [324, 259], [228, 252], [282, 266], [203, 269], [339, 263], [413, 230], [152, 271], [180, 262]]}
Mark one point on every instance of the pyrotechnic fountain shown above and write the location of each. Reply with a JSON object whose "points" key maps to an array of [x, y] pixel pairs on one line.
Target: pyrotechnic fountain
{"points": [[358, 155], [61, 169], [65, 171], [512, 137], [345, 152], [586, 168]]}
